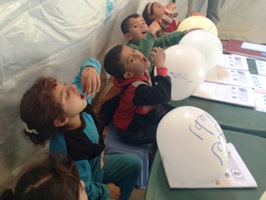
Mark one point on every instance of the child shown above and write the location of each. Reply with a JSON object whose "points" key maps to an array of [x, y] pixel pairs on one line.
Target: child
{"points": [[143, 103], [62, 113], [163, 15], [53, 179], [142, 38]]}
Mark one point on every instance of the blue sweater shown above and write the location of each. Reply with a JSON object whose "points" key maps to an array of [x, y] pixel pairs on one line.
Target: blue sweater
{"points": [[90, 170]]}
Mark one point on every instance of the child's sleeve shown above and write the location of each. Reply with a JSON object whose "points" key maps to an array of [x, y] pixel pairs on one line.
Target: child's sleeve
{"points": [[165, 21], [89, 62], [167, 40], [159, 93], [94, 190], [145, 45]]}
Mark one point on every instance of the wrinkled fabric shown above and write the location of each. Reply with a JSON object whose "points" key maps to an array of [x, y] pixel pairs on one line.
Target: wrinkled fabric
{"points": [[46, 37]]}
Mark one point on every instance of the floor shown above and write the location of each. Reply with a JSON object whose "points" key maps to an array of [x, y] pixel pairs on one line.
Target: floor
{"points": [[137, 194]]}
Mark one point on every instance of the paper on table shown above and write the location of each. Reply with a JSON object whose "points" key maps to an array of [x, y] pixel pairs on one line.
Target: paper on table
{"points": [[254, 47], [261, 67], [263, 197], [260, 101], [234, 46], [233, 61], [229, 76], [237, 175], [259, 83], [226, 93]]}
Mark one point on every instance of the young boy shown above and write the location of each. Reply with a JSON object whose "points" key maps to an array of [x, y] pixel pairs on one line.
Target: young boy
{"points": [[143, 38], [143, 103], [62, 114]]}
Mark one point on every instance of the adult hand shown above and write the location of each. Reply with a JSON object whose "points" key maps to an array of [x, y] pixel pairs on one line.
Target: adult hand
{"points": [[114, 191], [90, 80]]}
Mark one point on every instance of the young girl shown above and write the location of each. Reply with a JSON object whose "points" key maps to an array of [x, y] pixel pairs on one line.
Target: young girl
{"points": [[53, 179], [163, 15], [62, 113]]}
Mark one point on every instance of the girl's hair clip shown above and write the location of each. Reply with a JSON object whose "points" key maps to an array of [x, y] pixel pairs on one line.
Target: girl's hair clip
{"points": [[31, 131]]}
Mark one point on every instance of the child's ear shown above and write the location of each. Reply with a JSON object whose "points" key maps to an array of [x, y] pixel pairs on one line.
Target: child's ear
{"points": [[128, 36], [60, 123], [128, 75]]}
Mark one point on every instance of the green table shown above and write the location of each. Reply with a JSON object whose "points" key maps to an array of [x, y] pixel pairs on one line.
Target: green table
{"points": [[252, 150], [229, 116]]}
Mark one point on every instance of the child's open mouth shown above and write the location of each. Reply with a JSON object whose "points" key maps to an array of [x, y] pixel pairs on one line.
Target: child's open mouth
{"points": [[82, 96]]}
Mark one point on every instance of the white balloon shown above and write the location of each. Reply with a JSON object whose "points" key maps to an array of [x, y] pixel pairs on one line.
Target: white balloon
{"points": [[207, 44], [187, 69], [192, 142], [198, 22]]}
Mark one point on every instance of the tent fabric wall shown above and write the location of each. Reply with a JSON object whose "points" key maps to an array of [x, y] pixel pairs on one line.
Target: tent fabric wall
{"points": [[52, 37], [46, 37]]}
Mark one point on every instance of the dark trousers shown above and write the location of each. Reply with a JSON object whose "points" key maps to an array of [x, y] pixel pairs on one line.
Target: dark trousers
{"points": [[147, 134]]}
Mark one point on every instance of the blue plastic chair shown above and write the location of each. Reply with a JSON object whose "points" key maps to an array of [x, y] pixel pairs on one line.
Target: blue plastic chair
{"points": [[113, 145]]}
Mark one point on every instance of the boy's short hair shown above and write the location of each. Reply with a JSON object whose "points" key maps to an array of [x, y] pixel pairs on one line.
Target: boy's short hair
{"points": [[145, 14], [112, 63], [125, 23]]}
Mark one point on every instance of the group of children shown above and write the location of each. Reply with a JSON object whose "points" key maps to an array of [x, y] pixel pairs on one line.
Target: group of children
{"points": [[62, 114]]}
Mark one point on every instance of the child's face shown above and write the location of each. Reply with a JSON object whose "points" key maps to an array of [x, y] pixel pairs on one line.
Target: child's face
{"points": [[70, 98], [82, 192], [134, 61], [137, 29], [155, 10]]}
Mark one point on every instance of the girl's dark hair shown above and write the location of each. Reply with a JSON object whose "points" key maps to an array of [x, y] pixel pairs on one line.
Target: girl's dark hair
{"points": [[55, 179], [38, 109], [125, 23], [145, 14], [112, 63]]}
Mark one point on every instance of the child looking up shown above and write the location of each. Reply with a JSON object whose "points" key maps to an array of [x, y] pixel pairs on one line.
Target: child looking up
{"points": [[53, 179], [62, 114], [143, 103], [163, 15], [142, 38]]}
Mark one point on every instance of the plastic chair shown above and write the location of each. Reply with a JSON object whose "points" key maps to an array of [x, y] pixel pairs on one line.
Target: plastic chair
{"points": [[114, 145]]}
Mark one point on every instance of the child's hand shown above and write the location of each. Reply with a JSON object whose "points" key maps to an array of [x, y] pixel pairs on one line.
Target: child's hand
{"points": [[170, 6], [196, 13], [158, 56], [90, 81], [154, 27], [114, 191]]}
